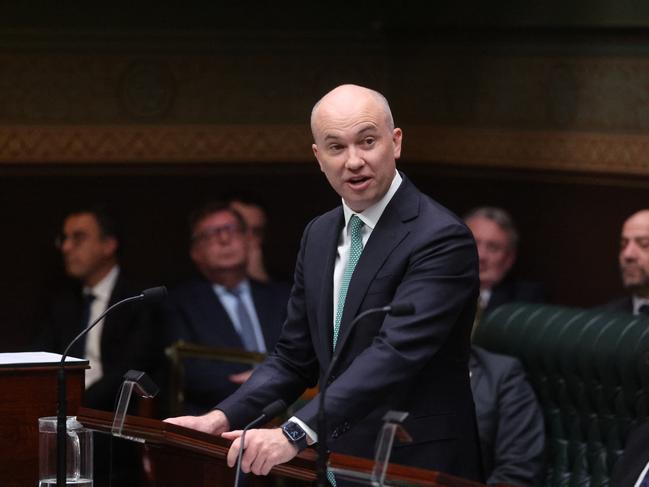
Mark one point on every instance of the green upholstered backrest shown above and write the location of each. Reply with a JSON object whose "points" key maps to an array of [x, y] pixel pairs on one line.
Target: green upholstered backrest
{"points": [[590, 370]]}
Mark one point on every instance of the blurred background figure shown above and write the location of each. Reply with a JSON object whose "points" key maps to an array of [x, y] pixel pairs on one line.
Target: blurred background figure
{"points": [[634, 265], [497, 238], [222, 306], [127, 339], [255, 216], [510, 421]]}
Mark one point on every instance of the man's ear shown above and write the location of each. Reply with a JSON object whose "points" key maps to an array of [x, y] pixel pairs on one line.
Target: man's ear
{"points": [[511, 258], [397, 137], [314, 148], [110, 246]]}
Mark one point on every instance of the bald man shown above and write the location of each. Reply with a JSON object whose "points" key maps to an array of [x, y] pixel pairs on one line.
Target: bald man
{"points": [[386, 243], [634, 265]]}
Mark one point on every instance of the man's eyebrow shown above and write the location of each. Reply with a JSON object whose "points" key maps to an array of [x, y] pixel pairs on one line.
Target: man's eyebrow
{"points": [[367, 128], [331, 136], [363, 130]]}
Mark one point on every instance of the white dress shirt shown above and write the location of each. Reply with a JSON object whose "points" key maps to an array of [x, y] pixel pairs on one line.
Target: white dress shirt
{"points": [[637, 302], [102, 292]]}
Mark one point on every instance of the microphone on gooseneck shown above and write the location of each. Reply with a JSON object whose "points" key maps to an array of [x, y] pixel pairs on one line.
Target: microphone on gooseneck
{"points": [[268, 413], [395, 309], [151, 295]]}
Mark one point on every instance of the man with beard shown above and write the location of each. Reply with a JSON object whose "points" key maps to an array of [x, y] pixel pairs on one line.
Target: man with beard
{"points": [[634, 265]]}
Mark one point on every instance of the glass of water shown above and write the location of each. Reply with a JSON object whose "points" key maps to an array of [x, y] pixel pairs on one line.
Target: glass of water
{"points": [[78, 453]]}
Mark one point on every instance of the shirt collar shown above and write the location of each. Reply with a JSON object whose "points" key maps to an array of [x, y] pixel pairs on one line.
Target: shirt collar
{"points": [[637, 302], [243, 286], [103, 289], [370, 216]]}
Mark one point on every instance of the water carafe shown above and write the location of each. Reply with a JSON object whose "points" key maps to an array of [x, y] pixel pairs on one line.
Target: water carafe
{"points": [[78, 453]]}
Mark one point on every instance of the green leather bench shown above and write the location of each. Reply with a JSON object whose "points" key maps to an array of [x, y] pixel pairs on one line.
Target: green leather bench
{"points": [[590, 370]]}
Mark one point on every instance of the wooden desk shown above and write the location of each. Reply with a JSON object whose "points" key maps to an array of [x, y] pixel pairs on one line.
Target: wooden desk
{"points": [[29, 391], [180, 457]]}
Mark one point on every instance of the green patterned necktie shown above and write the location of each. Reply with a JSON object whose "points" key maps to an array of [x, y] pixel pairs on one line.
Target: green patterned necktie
{"points": [[355, 250]]}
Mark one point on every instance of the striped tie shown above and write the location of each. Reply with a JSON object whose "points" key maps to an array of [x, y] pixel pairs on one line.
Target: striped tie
{"points": [[355, 250]]}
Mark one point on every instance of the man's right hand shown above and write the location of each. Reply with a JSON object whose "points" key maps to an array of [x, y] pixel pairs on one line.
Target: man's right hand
{"points": [[214, 422]]}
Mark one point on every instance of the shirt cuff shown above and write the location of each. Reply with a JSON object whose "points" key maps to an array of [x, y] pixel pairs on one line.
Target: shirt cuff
{"points": [[312, 436]]}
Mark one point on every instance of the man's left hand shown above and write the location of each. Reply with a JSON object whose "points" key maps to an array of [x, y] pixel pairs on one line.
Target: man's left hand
{"points": [[264, 449]]}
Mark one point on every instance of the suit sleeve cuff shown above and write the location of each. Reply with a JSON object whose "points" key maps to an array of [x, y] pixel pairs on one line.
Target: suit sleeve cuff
{"points": [[312, 436]]}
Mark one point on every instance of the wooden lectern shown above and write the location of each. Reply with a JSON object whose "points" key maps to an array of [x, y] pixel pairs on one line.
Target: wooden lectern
{"points": [[180, 457], [29, 391]]}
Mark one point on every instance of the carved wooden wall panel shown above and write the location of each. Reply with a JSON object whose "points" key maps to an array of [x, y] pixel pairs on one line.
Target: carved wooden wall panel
{"points": [[537, 107]]}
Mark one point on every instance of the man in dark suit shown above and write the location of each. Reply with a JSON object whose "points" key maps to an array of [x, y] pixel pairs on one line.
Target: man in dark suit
{"points": [[510, 421], [633, 465], [127, 338], [497, 241], [634, 265], [205, 310], [387, 243]]}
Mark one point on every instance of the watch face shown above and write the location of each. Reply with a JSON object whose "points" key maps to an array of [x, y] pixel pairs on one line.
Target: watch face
{"points": [[294, 432]]}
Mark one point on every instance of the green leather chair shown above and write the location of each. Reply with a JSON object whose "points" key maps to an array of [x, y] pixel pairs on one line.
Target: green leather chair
{"points": [[590, 370]]}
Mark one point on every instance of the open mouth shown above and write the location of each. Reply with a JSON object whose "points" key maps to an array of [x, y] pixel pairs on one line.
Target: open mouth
{"points": [[358, 182]]}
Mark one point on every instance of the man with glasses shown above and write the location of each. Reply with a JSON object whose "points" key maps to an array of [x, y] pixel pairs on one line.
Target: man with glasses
{"points": [[89, 244], [222, 307], [126, 339]]}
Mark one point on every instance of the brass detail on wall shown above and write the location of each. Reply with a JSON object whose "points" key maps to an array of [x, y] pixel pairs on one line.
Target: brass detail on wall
{"points": [[145, 144], [587, 152]]}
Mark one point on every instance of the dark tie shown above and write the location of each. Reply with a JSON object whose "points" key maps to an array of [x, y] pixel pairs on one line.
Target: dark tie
{"points": [[643, 310], [79, 349], [88, 298], [247, 332]]}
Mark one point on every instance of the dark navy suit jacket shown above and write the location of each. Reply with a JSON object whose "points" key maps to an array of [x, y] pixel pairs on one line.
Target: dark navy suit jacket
{"points": [[130, 339], [195, 314], [420, 253], [636, 455], [510, 290], [622, 305], [510, 420]]}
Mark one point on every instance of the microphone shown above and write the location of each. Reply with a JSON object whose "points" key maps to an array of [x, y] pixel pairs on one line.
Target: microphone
{"points": [[394, 309], [269, 412], [151, 295]]}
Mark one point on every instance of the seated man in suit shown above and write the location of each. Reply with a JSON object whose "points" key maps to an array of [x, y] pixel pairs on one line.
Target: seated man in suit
{"points": [[385, 243], [222, 307], [497, 241], [127, 338], [632, 468], [510, 421], [634, 265]]}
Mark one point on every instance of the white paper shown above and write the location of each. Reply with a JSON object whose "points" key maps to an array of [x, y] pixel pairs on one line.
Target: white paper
{"points": [[35, 358]]}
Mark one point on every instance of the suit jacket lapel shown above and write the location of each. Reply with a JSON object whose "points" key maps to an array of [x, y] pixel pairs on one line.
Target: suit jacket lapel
{"points": [[327, 247], [389, 231], [215, 326], [263, 305]]}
